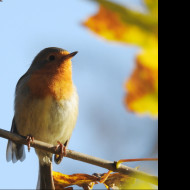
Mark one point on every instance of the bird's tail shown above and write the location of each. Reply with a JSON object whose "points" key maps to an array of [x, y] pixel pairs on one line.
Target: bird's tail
{"points": [[15, 152], [45, 176]]}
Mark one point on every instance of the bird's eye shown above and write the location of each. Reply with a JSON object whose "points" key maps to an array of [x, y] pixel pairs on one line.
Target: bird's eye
{"points": [[51, 58]]}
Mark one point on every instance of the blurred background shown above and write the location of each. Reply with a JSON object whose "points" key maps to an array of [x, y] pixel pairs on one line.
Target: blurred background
{"points": [[105, 128]]}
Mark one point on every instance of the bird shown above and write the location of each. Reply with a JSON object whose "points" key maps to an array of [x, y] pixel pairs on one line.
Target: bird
{"points": [[45, 109]]}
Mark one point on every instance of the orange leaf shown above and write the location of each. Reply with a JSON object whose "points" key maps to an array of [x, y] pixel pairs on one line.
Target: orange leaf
{"points": [[106, 24], [118, 23], [82, 180], [142, 87]]}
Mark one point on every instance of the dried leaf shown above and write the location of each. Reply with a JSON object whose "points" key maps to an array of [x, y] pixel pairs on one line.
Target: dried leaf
{"points": [[117, 180], [62, 181], [82, 180]]}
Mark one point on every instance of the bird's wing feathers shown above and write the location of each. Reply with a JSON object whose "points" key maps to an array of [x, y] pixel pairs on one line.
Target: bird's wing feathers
{"points": [[15, 151]]}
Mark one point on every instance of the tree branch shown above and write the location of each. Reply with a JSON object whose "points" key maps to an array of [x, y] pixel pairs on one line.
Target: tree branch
{"points": [[82, 157]]}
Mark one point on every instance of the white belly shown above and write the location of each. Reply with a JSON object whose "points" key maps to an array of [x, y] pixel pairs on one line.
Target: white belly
{"points": [[46, 120]]}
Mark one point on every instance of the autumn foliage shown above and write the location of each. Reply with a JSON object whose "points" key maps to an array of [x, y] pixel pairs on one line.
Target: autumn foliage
{"points": [[114, 22], [115, 180]]}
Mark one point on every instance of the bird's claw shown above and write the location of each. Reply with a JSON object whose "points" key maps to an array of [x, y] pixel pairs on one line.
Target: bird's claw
{"points": [[63, 153], [29, 138]]}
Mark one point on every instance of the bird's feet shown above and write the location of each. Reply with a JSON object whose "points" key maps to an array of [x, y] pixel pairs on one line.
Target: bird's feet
{"points": [[29, 139], [63, 153]]}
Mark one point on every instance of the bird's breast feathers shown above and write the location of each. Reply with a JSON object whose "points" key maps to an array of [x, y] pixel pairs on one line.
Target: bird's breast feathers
{"points": [[46, 119]]}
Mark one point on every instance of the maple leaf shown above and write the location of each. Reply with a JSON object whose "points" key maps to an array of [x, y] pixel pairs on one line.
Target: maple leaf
{"points": [[117, 23]]}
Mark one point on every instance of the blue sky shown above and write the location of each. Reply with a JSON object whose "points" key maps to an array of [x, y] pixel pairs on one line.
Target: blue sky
{"points": [[104, 128]]}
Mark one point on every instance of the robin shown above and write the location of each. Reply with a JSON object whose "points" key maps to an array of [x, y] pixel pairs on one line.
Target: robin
{"points": [[46, 108]]}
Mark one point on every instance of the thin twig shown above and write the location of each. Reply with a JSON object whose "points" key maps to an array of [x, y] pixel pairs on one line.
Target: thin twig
{"points": [[83, 157]]}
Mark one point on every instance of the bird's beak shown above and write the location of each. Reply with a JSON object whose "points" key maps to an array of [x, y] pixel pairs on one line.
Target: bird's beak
{"points": [[70, 55]]}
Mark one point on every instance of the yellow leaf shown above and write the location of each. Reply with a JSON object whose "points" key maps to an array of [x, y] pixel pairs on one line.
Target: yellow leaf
{"points": [[142, 87], [82, 180], [62, 181], [117, 23], [109, 25]]}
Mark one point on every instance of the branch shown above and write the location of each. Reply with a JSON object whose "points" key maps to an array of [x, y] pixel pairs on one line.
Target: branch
{"points": [[82, 157]]}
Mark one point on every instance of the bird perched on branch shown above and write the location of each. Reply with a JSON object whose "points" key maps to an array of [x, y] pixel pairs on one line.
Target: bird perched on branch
{"points": [[46, 109]]}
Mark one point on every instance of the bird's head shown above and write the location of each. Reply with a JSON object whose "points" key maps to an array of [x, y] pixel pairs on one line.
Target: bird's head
{"points": [[51, 73]]}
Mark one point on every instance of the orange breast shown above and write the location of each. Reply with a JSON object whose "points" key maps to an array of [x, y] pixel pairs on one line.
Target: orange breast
{"points": [[52, 80]]}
